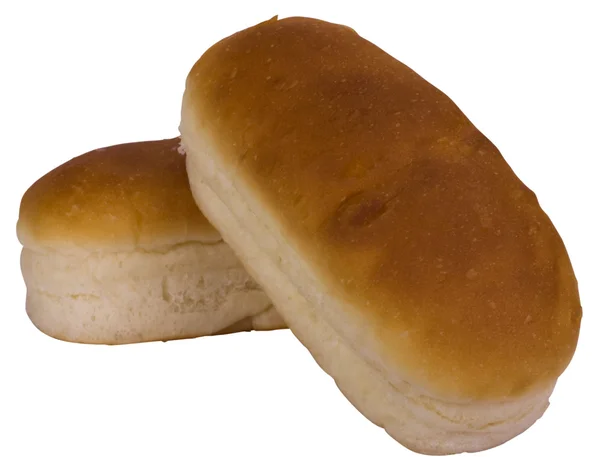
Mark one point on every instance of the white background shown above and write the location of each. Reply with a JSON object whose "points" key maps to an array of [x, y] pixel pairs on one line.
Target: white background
{"points": [[81, 75]]}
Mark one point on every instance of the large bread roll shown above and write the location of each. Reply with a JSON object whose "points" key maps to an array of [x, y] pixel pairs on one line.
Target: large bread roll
{"points": [[116, 251], [394, 239]]}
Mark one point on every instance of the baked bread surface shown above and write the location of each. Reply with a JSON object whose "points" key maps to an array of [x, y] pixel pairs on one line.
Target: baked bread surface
{"points": [[128, 196], [395, 203]]}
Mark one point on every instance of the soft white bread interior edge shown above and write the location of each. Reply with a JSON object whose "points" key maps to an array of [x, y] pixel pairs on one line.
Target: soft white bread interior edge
{"points": [[187, 290]]}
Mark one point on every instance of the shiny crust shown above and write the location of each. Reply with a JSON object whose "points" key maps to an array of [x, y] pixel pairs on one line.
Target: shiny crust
{"points": [[399, 206], [122, 197]]}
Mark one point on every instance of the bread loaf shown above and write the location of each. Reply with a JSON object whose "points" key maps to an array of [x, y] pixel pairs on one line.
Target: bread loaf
{"points": [[116, 251], [392, 236]]}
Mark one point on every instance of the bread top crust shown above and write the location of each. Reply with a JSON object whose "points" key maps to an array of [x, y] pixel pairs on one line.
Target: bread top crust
{"points": [[120, 198], [400, 205]]}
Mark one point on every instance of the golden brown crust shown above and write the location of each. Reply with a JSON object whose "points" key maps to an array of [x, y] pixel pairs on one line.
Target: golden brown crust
{"points": [[397, 201], [134, 195]]}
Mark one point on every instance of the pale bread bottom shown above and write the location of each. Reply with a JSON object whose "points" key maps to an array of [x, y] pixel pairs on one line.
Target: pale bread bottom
{"points": [[414, 418], [189, 290]]}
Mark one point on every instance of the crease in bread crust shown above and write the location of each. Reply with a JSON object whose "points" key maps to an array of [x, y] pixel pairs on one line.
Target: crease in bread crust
{"points": [[410, 414]]}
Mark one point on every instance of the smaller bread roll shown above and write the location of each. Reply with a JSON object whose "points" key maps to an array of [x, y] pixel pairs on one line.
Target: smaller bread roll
{"points": [[116, 251]]}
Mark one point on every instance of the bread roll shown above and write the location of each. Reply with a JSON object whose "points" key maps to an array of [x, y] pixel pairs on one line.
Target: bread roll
{"points": [[391, 235], [116, 251]]}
